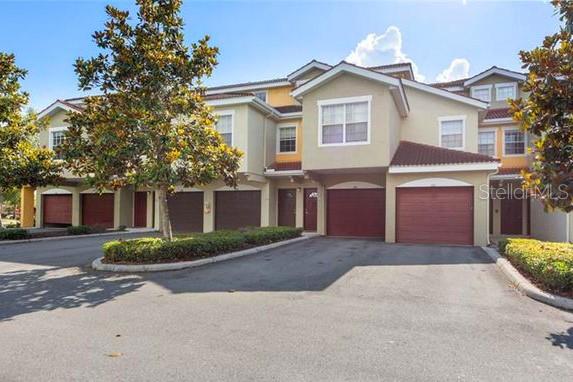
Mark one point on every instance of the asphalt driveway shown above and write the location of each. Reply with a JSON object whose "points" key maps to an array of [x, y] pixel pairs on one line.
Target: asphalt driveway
{"points": [[323, 309]]}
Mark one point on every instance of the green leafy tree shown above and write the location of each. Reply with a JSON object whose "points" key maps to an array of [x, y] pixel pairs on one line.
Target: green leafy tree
{"points": [[150, 126], [22, 162], [548, 112]]}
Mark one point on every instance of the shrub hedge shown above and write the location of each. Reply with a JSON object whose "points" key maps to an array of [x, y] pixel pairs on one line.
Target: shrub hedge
{"points": [[14, 234], [550, 264], [85, 229], [156, 250]]}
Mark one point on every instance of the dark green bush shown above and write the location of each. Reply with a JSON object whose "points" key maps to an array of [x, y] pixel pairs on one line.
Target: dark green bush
{"points": [[85, 229], [156, 250], [12, 225], [550, 264], [14, 234]]}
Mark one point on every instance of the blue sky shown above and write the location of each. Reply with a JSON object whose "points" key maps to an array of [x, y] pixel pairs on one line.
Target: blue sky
{"points": [[263, 39]]}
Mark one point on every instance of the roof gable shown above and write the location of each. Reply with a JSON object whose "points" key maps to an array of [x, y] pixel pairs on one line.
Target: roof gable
{"points": [[59, 105], [306, 68], [495, 70], [396, 88]]}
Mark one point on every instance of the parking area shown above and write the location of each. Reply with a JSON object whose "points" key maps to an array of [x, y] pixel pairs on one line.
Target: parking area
{"points": [[322, 309]]}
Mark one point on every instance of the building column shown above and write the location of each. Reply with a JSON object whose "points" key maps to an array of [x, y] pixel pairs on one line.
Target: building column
{"points": [[39, 222], [27, 207], [299, 215], [321, 210], [76, 207], [156, 212], [208, 211], [123, 207], [150, 210], [268, 205]]}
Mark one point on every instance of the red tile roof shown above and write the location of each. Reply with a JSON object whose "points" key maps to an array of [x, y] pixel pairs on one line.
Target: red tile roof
{"points": [[417, 154], [498, 113], [282, 79], [459, 82], [210, 97], [285, 166]]}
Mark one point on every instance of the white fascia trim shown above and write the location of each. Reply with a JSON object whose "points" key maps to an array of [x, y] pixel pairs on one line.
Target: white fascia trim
{"points": [[485, 166], [446, 94], [344, 101], [434, 182], [297, 114], [53, 107], [501, 72], [278, 143], [453, 118], [274, 173], [56, 191], [503, 85], [231, 89], [494, 121], [244, 100], [344, 67], [473, 89], [311, 65], [506, 177]]}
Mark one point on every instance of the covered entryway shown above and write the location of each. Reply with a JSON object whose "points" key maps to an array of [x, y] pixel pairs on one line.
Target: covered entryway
{"points": [[356, 212], [97, 210], [434, 215], [237, 209], [186, 211], [310, 209], [57, 210], [511, 216], [287, 207]]}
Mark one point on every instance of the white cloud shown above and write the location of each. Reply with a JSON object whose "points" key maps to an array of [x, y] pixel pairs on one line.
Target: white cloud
{"points": [[382, 49], [459, 68]]}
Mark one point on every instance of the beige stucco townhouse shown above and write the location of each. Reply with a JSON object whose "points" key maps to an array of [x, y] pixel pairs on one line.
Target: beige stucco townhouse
{"points": [[343, 151]]}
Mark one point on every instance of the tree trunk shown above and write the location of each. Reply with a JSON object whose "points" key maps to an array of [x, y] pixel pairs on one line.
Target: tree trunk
{"points": [[164, 211], [1, 201]]}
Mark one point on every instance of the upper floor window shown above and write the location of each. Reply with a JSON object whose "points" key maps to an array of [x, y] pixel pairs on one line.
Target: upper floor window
{"points": [[486, 143], [481, 92], [287, 139], [57, 136], [505, 91], [452, 132], [514, 142], [344, 121], [225, 127], [262, 95]]}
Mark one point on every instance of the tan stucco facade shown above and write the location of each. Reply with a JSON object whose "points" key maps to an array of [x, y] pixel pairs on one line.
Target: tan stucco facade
{"points": [[280, 96]]}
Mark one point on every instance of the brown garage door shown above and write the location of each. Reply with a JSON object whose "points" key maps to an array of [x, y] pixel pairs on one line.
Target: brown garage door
{"points": [[236, 209], [57, 210], [356, 212], [434, 215], [97, 210], [140, 209], [186, 211]]}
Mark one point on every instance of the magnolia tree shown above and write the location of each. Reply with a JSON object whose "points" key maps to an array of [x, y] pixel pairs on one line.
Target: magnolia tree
{"points": [[150, 126], [548, 112], [22, 162]]}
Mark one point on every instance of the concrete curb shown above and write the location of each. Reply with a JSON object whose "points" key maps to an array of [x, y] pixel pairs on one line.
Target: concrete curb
{"points": [[98, 265], [524, 285], [69, 237]]}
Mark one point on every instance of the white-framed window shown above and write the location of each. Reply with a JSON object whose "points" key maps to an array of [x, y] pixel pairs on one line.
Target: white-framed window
{"points": [[505, 91], [224, 126], [514, 142], [286, 139], [56, 136], [486, 142], [482, 92], [261, 94], [453, 132], [344, 121]]}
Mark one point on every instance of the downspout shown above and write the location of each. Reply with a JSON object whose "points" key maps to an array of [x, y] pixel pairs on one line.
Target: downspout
{"points": [[488, 204]]}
